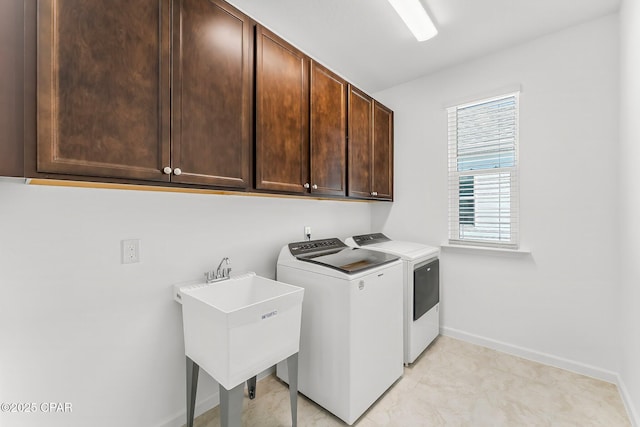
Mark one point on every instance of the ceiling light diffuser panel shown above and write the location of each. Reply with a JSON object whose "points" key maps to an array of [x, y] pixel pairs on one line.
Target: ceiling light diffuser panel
{"points": [[416, 18]]}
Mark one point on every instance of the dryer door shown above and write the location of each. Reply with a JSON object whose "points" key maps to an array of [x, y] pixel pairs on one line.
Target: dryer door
{"points": [[426, 287]]}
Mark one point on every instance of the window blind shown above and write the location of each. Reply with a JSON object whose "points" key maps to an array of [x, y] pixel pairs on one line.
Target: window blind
{"points": [[483, 172]]}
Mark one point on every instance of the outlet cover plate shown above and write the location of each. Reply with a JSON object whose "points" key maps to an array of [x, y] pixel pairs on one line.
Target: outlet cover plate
{"points": [[130, 251]]}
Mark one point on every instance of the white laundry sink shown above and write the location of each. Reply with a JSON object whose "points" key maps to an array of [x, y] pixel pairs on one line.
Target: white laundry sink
{"points": [[237, 328]]}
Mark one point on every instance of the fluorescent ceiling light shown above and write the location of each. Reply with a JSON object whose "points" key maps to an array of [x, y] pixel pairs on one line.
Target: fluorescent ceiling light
{"points": [[416, 18]]}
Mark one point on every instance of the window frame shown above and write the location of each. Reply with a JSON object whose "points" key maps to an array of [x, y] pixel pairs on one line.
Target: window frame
{"points": [[456, 218]]}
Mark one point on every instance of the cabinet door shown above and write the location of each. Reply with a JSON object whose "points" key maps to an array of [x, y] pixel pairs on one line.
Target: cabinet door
{"points": [[282, 115], [212, 94], [360, 143], [103, 88], [11, 88], [328, 132], [382, 165]]}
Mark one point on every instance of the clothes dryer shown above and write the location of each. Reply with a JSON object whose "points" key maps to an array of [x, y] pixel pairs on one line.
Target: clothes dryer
{"points": [[421, 283]]}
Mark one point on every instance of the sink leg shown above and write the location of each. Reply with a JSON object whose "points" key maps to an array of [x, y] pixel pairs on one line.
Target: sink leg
{"points": [[292, 368], [192, 387], [231, 406], [251, 387]]}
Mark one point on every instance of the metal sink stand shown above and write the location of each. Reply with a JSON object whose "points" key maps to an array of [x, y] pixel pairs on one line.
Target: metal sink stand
{"points": [[231, 400]]}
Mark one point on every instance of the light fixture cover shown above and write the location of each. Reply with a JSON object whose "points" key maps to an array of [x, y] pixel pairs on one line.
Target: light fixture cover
{"points": [[416, 18]]}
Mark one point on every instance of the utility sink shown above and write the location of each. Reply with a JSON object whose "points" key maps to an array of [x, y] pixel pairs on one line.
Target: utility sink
{"points": [[237, 328]]}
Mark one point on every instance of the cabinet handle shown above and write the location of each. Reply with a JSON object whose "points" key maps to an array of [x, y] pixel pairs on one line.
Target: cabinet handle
{"points": [[167, 170], [314, 186], [177, 171], [306, 185]]}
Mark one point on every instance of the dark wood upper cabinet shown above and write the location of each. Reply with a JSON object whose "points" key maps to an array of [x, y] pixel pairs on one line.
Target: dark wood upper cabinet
{"points": [[212, 114], [328, 132], [103, 84], [11, 88], [282, 115], [370, 147], [382, 180], [185, 92], [360, 143]]}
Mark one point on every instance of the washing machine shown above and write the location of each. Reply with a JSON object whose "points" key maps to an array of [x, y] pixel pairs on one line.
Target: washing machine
{"points": [[351, 331], [421, 302]]}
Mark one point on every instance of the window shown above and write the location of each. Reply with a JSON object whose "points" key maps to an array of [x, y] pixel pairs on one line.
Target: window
{"points": [[483, 172]]}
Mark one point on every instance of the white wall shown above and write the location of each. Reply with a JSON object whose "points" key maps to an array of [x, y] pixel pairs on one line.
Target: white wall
{"points": [[557, 304], [629, 230], [77, 326]]}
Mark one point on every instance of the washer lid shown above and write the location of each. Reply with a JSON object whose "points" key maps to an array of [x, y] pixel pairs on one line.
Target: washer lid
{"points": [[333, 253]]}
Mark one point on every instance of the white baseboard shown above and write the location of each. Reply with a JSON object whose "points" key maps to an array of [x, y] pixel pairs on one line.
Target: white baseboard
{"points": [[207, 403], [628, 403], [536, 356]]}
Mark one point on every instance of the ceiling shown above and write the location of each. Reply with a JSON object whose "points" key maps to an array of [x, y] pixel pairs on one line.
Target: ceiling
{"points": [[366, 42]]}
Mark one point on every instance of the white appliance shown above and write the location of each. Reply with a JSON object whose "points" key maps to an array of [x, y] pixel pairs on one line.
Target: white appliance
{"points": [[421, 271], [351, 332]]}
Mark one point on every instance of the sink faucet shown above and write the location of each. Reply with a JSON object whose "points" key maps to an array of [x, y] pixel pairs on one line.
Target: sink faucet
{"points": [[220, 273], [224, 272]]}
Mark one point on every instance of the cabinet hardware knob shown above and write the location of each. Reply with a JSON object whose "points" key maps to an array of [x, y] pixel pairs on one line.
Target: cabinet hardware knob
{"points": [[167, 170], [314, 186], [306, 185], [177, 171]]}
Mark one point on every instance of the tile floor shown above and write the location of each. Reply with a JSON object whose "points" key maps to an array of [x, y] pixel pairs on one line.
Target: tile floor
{"points": [[455, 383]]}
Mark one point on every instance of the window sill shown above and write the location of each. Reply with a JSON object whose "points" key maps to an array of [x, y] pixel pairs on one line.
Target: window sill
{"points": [[485, 250]]}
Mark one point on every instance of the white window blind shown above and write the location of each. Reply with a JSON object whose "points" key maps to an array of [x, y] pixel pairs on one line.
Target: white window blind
{"points": [[483, 172]]}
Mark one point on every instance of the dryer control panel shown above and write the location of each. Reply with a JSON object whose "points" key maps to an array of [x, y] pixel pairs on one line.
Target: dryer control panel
{"points": [[370, 239]]}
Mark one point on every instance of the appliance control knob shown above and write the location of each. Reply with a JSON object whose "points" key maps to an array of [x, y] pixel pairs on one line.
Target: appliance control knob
{"points": [[306, 185], [177, 171], [167, 170], [314, 186]]}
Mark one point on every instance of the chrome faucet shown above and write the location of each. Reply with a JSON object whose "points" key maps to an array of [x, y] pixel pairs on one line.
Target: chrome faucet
{"points": [[224, 272], [220, 273]]}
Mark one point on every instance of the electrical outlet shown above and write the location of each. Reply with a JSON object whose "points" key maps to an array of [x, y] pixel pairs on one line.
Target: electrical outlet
{"points": [[130, 251]]}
